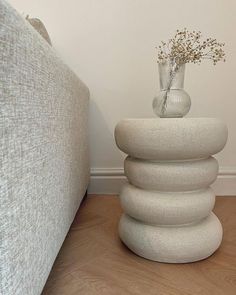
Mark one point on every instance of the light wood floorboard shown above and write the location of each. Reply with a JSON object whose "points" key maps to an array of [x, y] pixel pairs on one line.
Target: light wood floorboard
{"points": [[93, 260]]}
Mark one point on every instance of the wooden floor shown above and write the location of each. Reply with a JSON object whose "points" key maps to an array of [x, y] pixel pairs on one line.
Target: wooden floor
{"points": [[92, 259]]}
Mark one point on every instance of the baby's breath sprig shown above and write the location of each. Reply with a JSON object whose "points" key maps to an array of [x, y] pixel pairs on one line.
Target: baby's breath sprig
{"points": [[188, 47]]}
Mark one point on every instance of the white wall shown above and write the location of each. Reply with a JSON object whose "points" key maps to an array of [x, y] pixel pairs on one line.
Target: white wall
{"points": [[110, 44]]}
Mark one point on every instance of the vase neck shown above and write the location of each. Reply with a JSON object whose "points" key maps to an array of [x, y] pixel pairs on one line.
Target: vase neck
{"points": [[171, 77]]}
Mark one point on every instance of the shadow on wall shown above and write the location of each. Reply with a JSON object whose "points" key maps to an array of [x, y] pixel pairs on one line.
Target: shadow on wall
{"points": [[101, 131]]}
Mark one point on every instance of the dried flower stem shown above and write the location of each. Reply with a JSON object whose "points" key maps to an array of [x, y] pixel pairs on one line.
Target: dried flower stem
{"points": [[173, 70]]}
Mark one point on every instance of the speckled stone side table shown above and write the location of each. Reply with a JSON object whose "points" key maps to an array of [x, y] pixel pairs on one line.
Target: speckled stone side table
{"points": [[168, 201]]}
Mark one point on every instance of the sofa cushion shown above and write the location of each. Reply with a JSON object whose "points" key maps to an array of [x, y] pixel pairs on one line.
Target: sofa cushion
{"points": [[39, 27]]}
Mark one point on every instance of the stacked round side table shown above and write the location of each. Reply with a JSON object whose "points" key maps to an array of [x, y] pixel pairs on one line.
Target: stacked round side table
{"points": [[168, 201]]}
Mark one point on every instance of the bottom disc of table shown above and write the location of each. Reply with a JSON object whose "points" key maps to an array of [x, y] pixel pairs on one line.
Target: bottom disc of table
{"points": [[172, 244]]}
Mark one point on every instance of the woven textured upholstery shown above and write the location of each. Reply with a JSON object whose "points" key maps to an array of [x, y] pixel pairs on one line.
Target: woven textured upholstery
{"points": [[44, 167]]}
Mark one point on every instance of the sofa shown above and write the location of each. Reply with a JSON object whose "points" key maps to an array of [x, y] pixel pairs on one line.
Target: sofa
{"points": [[44, 162]]}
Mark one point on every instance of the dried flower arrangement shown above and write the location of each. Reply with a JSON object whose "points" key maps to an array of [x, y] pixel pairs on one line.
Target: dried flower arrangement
{"points": [[188, 47]]}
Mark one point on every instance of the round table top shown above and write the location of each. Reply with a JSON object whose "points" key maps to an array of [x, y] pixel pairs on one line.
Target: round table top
{"points": [[171, 138]]}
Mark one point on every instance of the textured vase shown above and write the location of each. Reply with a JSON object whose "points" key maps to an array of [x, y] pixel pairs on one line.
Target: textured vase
{"points": [[172, 101], [168, 201]]}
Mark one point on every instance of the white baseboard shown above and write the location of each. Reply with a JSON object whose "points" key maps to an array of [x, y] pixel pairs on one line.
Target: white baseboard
{"points": [[110, 181]]}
